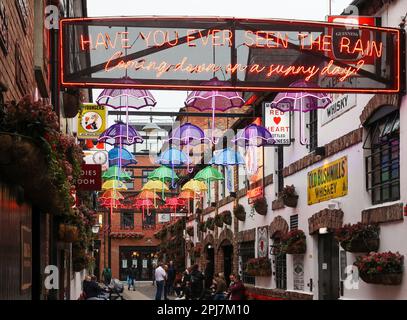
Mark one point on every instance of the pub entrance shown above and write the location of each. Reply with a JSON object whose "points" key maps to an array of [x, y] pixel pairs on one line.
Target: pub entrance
{"points": [[143, 258], [227, 261], [328, 267]]}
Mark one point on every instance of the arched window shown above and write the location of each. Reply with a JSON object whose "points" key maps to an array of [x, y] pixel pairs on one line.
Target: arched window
{"points": [[383, 160]]}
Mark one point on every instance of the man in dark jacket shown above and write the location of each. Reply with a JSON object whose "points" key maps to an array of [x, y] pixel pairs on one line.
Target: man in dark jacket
{"points": [[171, 278], [197, 283], [237, 290], [131, 277]]}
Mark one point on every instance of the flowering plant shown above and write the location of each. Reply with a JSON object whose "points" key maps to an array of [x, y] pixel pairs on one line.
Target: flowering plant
{"points": [[375, 263], [294, 242], [288, 191], [357, 231], [258, 267]]}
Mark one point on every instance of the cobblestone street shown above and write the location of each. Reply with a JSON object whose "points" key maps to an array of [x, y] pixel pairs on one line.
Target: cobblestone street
{"points": [[144, 291]]}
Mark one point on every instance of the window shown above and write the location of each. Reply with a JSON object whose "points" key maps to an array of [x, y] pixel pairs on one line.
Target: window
{"points": [[127, 220], [246, 252], [280, 169], [294, 222], [313, 130], [383, 162], [21, 78], [145, 174], [149, 220], [22, 9], [130, 185], [3, 28], [280, 267]]}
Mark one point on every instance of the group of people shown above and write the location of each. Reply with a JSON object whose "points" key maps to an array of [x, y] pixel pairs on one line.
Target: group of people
{"points": [[192, 284]]}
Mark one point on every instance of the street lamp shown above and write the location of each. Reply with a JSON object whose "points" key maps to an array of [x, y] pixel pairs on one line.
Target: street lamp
{"points": [[95, 228]]}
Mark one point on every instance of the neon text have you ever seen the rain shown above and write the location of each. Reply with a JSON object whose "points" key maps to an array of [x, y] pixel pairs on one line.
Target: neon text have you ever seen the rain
{"points": [[120, 42]]}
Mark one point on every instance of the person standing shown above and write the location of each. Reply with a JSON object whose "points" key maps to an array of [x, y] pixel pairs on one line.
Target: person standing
{"points": [[197, 283], [172, 272], [107, 275], [160, 276], [131, 277], [154, 267], [220, 288], [166, 282], [237, 290]]}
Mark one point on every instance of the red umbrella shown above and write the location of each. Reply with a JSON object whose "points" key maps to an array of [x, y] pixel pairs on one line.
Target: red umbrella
{"points": [[144, 204], [174, 203]]}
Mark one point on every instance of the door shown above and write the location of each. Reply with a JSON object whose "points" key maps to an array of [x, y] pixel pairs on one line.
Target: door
{"points": [[227, 262], [328, 267]]}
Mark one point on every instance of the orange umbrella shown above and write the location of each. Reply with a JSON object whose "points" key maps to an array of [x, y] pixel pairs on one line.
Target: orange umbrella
{"points": [[148, 195]]}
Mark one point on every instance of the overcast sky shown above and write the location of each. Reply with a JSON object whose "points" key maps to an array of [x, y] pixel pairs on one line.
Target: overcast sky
{"points": [[287, 9]]}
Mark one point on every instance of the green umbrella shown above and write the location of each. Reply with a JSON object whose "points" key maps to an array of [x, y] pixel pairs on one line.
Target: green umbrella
{"points": [[163, 174], [209, 174], [114, 173]]}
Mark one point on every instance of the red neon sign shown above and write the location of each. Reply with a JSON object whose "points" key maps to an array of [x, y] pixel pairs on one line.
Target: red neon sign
{"points": [[250, 55]]}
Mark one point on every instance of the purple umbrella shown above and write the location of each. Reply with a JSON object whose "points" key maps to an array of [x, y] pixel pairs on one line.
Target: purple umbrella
{"points": [[120, 134], [214, 101], [187, 135], [252, 137], [300, 101], [126, 98]]}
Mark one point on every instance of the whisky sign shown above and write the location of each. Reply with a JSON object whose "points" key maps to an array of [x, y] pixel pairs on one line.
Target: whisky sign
{"points": [[328, 182]]}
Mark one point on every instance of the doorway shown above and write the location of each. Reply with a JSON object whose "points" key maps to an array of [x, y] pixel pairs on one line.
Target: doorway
{"points": [[328, 267], [227, 262]]}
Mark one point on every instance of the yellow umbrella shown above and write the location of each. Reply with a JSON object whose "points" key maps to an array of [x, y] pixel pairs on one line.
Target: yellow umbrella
{"points": [[195, 186], [154, 185], [114, 184]]}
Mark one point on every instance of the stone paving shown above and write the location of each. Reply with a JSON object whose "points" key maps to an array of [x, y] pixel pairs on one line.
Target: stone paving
{"points": [[144, 291]]}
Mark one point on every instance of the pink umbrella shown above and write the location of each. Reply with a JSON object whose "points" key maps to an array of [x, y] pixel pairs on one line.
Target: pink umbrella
{"points": [[308, 101], [214, 100], [144, 204]]}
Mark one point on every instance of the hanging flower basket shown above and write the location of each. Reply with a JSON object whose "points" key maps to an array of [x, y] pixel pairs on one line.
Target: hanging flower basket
{"points": [[190, 231], [289, 196], [68, 233], [210, 224], [240, 213], [260, 267], [219, 220], [294, 242], [381, 268], [227, 217], [359, 237], [389, 279], [260, 205]]}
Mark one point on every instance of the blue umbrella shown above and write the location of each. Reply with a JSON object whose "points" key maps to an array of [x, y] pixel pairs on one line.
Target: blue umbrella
{"points": [[175, 158], [122, 156], [227, 158]]}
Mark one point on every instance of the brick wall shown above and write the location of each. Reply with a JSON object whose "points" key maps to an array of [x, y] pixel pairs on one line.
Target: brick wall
{"points": [[25, 40]]}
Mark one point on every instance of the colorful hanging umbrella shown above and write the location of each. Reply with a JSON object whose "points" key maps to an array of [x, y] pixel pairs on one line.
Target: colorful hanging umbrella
{"points": [[148, 194], [114, 173], [121, 155], [174, 158], [163, 174], [115, 185], [227, 158], [214, 100], [111, 203], [111, 194], [174, 204], [187, 135], [195, 186], [144, 204], [252, 137], [155, 185], [302, 102], [208, 175], [126, 98], [120, 134]]}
